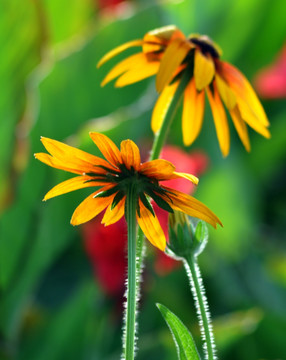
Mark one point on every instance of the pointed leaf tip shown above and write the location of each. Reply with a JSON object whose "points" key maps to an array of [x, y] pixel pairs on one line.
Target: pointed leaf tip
{"points": [[186, 347]]}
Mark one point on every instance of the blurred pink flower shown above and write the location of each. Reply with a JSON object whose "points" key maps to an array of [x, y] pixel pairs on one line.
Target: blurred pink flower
{"points": [[106, 246], [270, 81]]}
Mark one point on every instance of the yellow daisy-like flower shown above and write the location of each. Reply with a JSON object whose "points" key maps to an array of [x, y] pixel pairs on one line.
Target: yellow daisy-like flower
{"points": [[121, 169], [168, 53]]}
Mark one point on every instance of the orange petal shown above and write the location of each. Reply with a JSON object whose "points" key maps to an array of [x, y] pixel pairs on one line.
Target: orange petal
{"points": [[55, 163], [159, 169], [118, 50], [138, 73], [68, 165], [172, 58], [204, 70], [70, 157], [193, 112], [75, 183], [151, 227], [225, 92], [130, 154], [112, 216], [191, 206], [107, 147], [220, 120], [122, 67], [241, 127], [90, 207], [156, 39], [162, 105], [241, 86], [138, 63]]}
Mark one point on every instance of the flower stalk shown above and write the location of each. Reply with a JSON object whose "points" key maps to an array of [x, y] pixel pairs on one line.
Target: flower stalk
{"points": [[130, 316], [161, 135], [201, 304], [155, 153]]}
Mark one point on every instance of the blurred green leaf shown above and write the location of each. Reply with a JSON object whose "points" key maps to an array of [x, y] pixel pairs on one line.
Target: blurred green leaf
{"points": [[64, 331], [183, 339], [231, 195], [67, 18], [234, 326], [70, 95], [20, 42]]}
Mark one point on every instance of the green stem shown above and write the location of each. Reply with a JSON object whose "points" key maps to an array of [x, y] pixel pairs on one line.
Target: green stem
{"points": [[129, 336], [161, 135], [155, 153], [198, 291]]}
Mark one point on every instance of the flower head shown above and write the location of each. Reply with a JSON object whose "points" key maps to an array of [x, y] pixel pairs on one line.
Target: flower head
{"points": [[169, 54], [121, 169]]}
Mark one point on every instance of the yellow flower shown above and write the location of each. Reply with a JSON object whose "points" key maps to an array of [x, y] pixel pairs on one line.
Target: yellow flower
{"points": [[168, 53], [114, 175]]}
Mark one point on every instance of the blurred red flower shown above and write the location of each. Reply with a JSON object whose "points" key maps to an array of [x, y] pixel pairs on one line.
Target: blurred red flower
{"points": [[102, 4], [270, 81], [106, 246]]}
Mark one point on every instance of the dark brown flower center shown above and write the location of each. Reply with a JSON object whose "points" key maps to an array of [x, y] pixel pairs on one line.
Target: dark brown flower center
{"points": [[205, 46]]}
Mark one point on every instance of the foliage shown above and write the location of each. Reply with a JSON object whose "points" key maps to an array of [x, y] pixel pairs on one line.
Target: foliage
{"points": [[51, 305]]}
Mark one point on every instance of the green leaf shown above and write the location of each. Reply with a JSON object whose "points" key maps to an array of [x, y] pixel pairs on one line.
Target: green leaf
{"points": [[183, 339]]}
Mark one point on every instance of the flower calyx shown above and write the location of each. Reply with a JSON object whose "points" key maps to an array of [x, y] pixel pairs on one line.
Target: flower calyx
{"points": [[186, 238]]}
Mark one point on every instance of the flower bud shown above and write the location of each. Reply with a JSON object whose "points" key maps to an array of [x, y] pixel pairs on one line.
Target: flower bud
{"points": [[186, 238]]}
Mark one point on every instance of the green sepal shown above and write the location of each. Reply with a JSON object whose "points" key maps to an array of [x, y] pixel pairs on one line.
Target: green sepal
{"points": [[96, 179], [107, 193], [146, 203], [200, 237], [108, 170], [186, 237], [181, 240], [119, 196], [159, 201]]}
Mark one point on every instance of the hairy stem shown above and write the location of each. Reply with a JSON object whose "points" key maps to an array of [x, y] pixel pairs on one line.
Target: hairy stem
{"points": [[201, 303], [158, 144], [130, 326]]}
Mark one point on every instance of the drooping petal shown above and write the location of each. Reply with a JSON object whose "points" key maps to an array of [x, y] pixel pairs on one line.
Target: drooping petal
{"points": [[162, 105], [220, 120], [159, 169], [204, 70], [240, 127], [112, 216], [193, 112], [71, 157], [172, 58], [122, 67], [118, 50], [225, 92], [190, 177], [151, 227], [107, 147], [72, 184], [155, 39], [90, 207], [130, 154], [249, 117], [191, 206], [135, 68], [241, 86], [138, 74]]}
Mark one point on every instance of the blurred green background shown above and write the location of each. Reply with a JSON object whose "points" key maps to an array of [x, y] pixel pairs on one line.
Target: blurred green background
{"points": [[51, 305]]}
